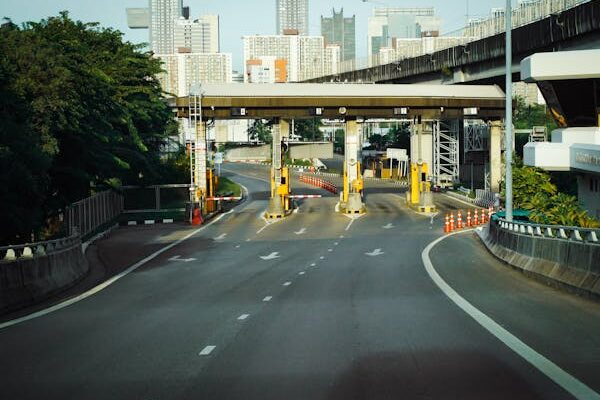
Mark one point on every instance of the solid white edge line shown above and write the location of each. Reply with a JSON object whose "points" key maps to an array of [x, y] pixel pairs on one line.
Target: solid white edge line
{"points": [[207, 350], [543, 364], [107, 283]]}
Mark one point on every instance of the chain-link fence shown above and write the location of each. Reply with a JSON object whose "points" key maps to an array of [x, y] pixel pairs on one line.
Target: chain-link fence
{"points": [[87, 215]]}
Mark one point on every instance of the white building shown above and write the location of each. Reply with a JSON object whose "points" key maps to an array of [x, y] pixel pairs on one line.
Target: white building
{"points": [[292, 15], [332, 59], [296, 57], [163, 14], [199, 36], [570, 83], [183, 70]]}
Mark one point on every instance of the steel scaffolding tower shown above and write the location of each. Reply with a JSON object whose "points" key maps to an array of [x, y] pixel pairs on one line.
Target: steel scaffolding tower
{"points": [[445, 152]]}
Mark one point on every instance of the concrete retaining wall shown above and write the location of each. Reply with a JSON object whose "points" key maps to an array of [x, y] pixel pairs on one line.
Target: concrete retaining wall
{"points": [[571, 264], [26, 281], [249, 153]]}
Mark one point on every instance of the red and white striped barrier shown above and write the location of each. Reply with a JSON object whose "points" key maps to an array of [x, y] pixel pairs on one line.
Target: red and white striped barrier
{"points": [[225, 198], [318, 182], [304, 196]]}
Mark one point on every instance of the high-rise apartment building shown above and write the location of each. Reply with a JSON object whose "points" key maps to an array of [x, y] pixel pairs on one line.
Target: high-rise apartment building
{"points": [[163, 15], [304, 56], [198, 36], [341, 31], [292, 15], [332, 59], [184, 70]]}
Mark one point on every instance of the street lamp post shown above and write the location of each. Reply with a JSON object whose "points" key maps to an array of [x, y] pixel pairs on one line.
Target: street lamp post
{"points": [[508, 139]]}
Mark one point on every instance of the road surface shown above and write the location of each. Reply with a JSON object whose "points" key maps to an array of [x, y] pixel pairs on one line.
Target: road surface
{"points": [[318, 306]]}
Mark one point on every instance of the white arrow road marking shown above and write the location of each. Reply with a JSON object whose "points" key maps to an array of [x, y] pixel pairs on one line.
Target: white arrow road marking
{"points": [[271, 256], [221, 236], [178, 258], [388, 226], [375, 253], [207, 350], [301, 231]]}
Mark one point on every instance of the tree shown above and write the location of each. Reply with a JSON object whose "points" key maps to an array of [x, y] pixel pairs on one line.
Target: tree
{"points": [[308, 129], [260, 131], [94, 108]]}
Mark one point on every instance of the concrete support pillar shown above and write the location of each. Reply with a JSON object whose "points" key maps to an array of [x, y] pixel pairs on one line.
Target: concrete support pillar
{"points": [[353, 183], [199, 164], [279, 176], [495, 155]]}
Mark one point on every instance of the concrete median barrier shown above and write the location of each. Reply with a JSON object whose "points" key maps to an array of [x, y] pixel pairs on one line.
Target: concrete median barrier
{"points": [[50, 269], [569, 263]]}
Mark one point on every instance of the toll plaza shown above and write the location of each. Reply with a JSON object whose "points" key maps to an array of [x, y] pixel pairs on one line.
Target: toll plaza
{"points": [[422, 105]]}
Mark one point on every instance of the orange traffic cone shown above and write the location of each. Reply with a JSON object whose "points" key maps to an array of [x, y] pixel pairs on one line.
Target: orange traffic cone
{"points": [[475, 219], [196, 217], [451, 222], [447, 224], [469, 218], [490, 212], [483, 216], [460, 224]]}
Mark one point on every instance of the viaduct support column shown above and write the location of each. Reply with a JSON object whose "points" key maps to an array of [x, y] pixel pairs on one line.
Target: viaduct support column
{"points": [[280, 185], [353, 182], [495, 155]]}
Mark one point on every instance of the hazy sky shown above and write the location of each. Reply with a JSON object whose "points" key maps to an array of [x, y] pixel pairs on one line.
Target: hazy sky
{"points": [[241, 17]]}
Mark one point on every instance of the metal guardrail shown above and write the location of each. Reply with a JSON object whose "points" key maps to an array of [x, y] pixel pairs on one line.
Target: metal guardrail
{"points": [[39, 249], [87, 215], [155, 198], [551, 231]]}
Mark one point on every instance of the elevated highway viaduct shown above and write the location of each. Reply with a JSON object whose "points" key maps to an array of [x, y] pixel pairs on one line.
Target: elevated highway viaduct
{"points": [[482, 61]]}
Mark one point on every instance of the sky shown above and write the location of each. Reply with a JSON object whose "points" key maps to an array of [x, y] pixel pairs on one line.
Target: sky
{"points": [[242, 17]]}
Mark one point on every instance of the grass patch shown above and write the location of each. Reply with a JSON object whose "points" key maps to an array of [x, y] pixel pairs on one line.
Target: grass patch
{"points": [[227, 186]]}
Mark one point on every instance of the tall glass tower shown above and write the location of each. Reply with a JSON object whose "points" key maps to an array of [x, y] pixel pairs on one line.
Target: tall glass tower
{"points": [[341, 31], [292, 15]]}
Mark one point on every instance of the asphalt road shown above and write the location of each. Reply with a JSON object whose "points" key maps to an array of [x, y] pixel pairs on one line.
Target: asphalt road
{"points": [[317, 306]]}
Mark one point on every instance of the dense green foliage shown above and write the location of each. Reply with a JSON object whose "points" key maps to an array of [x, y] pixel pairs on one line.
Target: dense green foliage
{"points": [[260, 131], [308, 129], [81, 111], [533, 190]]}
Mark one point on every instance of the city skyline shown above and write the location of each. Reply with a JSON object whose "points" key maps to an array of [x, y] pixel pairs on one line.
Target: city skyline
{"points": [[237, 18]]}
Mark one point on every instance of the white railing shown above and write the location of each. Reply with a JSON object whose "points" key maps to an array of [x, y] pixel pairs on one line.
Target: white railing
{"points": [[552, 231]]}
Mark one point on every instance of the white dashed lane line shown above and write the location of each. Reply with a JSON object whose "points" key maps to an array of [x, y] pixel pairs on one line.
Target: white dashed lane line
{"points": [[313, 265], [287, 283], [243, 317], [267, 298], [301, 273]]}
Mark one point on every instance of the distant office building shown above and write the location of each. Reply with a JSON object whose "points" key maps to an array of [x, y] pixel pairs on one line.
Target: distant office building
{"points": [[183, 70], [387, 24], [292, 15], [237, 77], [529, 92], [163, 15], [198, 36], [303, 57], [341, 31]]}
